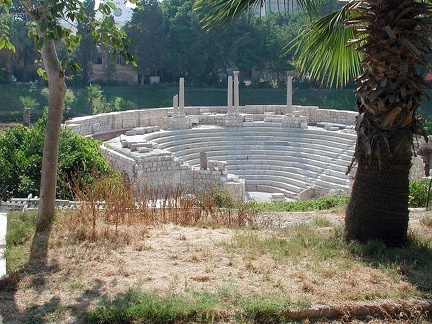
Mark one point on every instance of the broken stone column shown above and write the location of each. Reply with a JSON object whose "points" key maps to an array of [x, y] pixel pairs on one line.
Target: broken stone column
{"points": [[236, 93], [181, 98], [175, 106], [203, 160], [289, 95]]}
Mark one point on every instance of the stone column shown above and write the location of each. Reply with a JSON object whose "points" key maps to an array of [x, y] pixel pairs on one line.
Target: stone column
{"points": [[289, 95], [203, 160], [181, 98], [175, 106], [236, 93], [230, 95]]}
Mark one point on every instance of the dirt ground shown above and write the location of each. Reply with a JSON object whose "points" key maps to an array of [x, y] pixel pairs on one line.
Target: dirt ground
{"points": [[171, 258]]}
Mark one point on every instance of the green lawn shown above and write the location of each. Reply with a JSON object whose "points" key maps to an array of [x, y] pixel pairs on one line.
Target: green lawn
{"points": [[161, 96]]}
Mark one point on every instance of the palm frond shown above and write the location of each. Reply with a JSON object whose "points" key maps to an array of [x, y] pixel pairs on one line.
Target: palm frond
{"points": [[322, 50]]}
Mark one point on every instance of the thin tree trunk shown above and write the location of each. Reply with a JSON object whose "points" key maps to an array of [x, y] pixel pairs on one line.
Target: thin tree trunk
{"points": [[57, 91]]}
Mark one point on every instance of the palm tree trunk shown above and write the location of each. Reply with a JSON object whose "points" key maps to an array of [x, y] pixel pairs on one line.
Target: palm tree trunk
{"points": [[393, 39], [378, 206]]}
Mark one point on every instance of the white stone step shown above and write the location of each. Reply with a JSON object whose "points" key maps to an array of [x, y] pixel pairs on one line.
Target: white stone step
{"points": [[270, 189], [277, 184]]}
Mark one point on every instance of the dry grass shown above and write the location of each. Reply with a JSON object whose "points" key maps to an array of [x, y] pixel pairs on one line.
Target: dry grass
{"points": [[116, 211]]}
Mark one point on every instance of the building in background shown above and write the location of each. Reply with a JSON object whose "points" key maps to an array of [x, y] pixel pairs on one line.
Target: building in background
{"points": [[118, 70], [123, 12], [273, 6]]}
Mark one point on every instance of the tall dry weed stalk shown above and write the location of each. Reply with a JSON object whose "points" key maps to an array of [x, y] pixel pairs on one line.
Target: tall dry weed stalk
{"points": [[113, 209]]}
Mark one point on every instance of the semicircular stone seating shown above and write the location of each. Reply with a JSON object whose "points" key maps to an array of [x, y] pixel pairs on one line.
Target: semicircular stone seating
{"points": [[269, 158]]}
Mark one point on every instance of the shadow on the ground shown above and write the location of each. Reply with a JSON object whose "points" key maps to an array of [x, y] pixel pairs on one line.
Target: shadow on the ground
{"points": [[38, 270], [50, 311], [413, 261]]}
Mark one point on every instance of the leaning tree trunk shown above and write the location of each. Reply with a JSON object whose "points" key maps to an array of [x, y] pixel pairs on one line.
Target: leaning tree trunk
{"points": [[393, 38], [57, 91]]}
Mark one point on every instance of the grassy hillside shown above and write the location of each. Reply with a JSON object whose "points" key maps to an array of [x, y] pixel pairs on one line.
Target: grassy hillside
{"points": [[136, 97]]}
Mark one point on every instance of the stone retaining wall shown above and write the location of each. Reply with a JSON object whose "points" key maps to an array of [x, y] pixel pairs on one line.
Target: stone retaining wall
{"points": [[161, 168]]}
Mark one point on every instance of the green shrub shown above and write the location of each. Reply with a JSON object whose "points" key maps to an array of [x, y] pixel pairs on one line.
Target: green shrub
{"points": [[327, 202], [223, 198], [418, 193], [21, 160]]}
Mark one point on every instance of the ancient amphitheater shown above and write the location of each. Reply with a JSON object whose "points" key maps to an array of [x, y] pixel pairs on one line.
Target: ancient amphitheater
{"points": [[296, 153]]}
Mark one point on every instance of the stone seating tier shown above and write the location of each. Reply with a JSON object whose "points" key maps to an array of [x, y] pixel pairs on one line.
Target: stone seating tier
{"points": [[269, 158], [227, 152], [244, 135], [195, 138]]}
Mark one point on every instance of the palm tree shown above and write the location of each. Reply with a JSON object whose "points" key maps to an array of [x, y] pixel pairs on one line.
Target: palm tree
{"points": [[390, 40], [92, 94]]}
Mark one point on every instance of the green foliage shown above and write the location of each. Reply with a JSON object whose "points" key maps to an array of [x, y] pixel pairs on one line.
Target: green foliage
{"points": [[102, 105], [155, 308], [21, 159], [427, 124], [418, 193], [417, 198], [97, 103], [322, 50], [29, 102], [223, 198], [327, 202], [265, 309], [20, 227], [5, 32], [69, 99], [150, 38]]}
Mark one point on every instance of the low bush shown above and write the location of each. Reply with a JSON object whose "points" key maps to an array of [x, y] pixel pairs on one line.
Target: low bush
{"points": [[21, 160], [418, 193], [327, 202]]}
